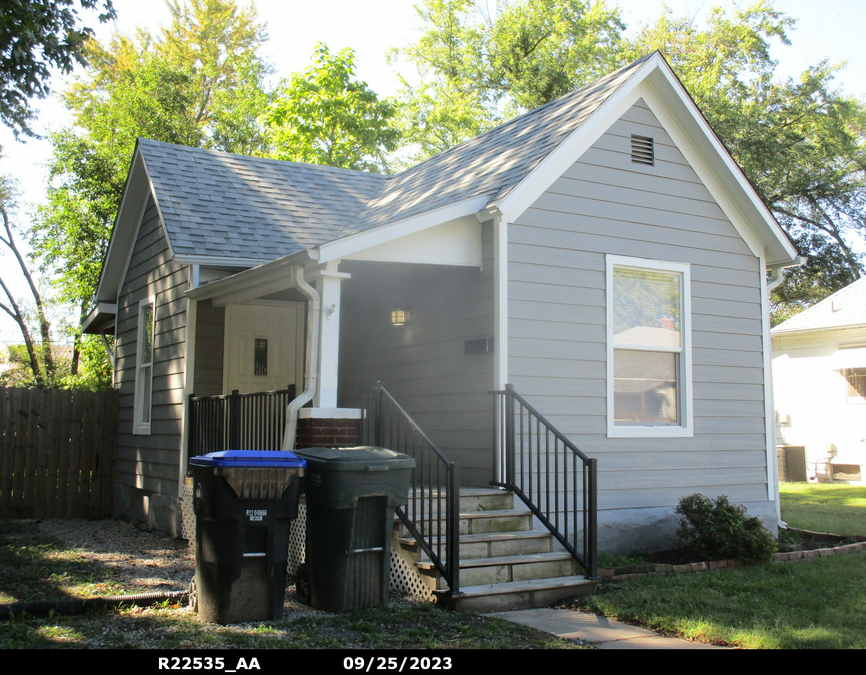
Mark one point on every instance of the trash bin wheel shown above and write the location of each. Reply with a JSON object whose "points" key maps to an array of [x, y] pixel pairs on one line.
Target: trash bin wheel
{"points": [[193, 596], [302, 585]]}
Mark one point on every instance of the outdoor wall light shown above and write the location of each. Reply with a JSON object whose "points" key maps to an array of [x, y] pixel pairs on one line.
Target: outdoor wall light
{"points": [[400, 317]]}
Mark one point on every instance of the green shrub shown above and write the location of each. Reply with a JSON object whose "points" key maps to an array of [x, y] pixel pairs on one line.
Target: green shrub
{"points": [[718, 530]]}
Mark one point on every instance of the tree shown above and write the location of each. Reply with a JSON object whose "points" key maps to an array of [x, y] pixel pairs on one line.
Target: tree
{"points": [[801, 143], [35, 36], [198, 83], [323, 115], [39, 354], [479, 69]]}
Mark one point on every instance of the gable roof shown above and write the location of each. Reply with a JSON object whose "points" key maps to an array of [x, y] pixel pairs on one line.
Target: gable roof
{"points": [[845, 308], [223, 207]]}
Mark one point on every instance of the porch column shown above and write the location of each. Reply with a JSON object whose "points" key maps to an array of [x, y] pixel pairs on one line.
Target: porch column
{"points": [[328, 281]]}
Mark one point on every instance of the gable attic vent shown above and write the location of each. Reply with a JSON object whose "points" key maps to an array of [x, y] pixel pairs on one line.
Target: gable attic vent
{"points": [[642, 150]]}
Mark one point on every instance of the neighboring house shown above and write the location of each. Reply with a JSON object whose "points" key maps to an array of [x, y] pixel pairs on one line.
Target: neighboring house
{"points": [[819, 373], [603, 253]]}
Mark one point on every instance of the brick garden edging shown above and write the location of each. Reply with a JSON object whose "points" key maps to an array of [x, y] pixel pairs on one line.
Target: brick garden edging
{"points": [[632, 571]]}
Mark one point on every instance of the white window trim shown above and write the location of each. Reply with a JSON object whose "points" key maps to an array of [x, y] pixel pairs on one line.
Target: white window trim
{"points": [[686, 429], [138, 427]]}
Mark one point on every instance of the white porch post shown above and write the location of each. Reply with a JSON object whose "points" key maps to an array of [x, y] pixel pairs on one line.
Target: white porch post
{"points": [[328, 281], [500, 322]]}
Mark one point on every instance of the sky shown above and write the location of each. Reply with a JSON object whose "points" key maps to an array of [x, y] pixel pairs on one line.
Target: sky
{"points": [[827, 30]]}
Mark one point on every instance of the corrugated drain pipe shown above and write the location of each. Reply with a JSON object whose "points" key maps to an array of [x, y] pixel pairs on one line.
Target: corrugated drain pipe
{"points": [[311, 377], [81, 605]]}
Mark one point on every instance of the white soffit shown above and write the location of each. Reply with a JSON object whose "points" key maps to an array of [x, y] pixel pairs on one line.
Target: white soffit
{"points": [[347, 246], [457, 242]]}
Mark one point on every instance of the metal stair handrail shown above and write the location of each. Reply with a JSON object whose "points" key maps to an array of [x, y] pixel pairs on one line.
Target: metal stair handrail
{"points": [[557, 482], [435, 480]]}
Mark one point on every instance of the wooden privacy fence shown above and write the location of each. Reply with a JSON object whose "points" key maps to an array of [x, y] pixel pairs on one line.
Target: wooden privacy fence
{"points": [[57, 450]]}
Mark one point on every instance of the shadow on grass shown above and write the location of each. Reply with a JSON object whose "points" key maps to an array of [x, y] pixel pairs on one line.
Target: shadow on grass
{"points": [[36, 567]]}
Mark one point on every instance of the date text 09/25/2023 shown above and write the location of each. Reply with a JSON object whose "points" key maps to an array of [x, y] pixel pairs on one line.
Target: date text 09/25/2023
{"points": [[363, 664]]}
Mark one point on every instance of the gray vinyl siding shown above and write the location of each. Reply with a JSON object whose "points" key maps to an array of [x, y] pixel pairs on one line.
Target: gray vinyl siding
{"points": [[209, 344], [606, 204], [151, 462], [424, 363]]}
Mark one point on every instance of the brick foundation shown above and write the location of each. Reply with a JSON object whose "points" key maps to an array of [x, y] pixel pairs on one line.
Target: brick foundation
{"points": [[327, 433]]}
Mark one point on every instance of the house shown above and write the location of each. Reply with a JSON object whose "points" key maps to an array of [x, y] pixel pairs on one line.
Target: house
{"points": [[819, 373], [603, 254]]}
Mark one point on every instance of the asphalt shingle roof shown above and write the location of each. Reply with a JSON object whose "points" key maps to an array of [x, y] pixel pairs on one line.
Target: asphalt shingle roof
{"points": [[234, 206], [224, 205], [846, 307]]}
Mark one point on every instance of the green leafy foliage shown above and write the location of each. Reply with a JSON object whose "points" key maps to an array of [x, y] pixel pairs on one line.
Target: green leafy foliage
{"points": [[479, 68], [199, 82], [323, 115], [719, 530], [801, 143], [36, 36]]}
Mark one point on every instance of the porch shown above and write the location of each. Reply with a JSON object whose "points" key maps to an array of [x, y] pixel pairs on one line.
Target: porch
{"points": [[427, 330]]}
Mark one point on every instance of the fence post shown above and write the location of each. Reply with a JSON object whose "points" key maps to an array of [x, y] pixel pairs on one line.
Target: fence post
{"points": [[592, 525], [235, 420]]}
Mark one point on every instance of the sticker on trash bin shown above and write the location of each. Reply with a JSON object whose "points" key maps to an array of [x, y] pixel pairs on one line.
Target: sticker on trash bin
{"points": [[256, 514]]}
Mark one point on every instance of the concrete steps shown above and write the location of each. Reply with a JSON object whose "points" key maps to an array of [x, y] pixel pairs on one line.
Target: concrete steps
{"points": [[504, 563]]}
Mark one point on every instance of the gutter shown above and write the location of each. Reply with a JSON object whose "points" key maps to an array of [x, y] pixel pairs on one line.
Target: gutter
{"points": [[311, 373]]}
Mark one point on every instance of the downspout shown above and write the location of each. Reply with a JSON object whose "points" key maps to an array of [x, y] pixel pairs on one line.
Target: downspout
{"points": [[311, 374], [775, 279]]}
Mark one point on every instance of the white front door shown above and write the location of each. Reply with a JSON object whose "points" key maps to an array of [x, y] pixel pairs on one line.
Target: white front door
{"points": [[264, 347]]}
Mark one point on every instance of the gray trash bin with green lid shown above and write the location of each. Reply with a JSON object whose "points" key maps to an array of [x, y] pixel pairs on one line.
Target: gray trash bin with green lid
{"points": [[244, 502], [351, 496]]}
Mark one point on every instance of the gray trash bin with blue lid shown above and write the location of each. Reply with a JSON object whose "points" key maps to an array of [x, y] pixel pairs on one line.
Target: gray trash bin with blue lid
{"points": [[244, 502], [351, 495]]}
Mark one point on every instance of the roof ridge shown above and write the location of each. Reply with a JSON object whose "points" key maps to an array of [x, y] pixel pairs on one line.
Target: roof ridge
{"points": [[319, 167]]}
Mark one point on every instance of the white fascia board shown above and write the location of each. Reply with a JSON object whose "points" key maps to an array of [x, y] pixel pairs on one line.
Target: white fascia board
{"points": [[655, 83], [708, 177], [268, 278], [97, 312], [457, 242], [125, 230], [212, 261], [669, 94], [354, 243], [521, 197], [140, 220]]}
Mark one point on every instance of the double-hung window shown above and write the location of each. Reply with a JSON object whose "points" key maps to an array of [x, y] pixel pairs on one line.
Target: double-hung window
{"points": [[649, 390], [144, 368]]}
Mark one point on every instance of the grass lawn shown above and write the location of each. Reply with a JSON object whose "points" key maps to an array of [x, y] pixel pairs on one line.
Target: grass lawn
{"points": [[817, 604], [36, 567], [840, 509]]}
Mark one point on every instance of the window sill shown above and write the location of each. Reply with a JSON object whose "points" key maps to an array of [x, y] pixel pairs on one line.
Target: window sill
{"points": [[650, 432]]}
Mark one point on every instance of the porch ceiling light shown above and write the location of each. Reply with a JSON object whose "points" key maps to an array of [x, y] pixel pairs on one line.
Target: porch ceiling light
{"points": [[400, 317]]}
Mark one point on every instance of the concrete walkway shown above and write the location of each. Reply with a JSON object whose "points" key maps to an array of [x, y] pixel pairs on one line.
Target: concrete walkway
{"points": [[596, 630]]}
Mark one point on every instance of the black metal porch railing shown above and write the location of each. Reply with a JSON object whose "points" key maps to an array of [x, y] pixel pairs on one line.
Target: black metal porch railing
{"points": [[433, 512], [238, 421], [549, 474]]}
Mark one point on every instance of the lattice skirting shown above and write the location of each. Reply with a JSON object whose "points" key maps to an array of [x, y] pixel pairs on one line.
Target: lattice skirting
{"points": [[406, 581]]}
